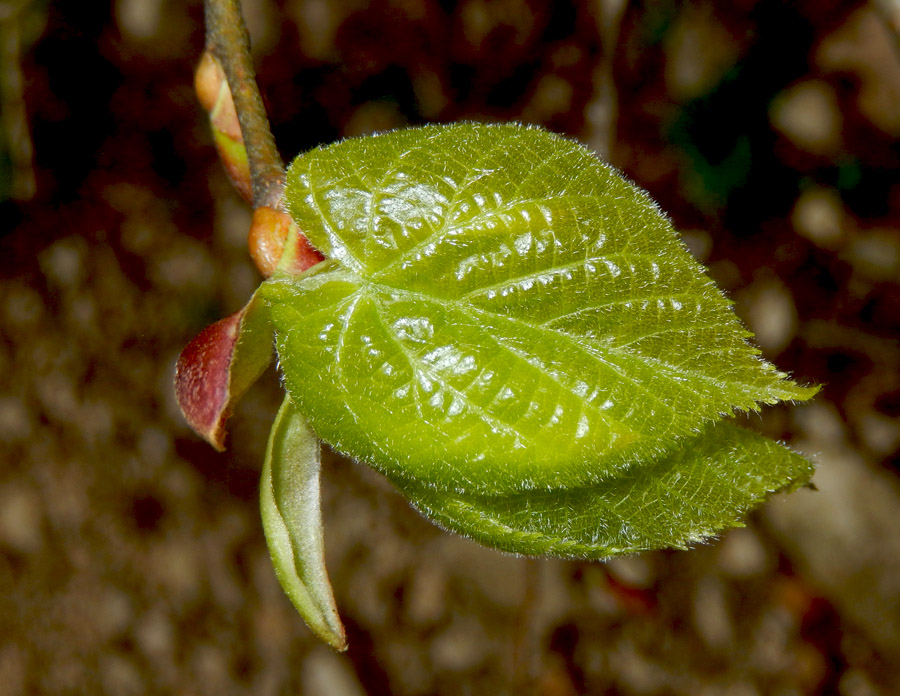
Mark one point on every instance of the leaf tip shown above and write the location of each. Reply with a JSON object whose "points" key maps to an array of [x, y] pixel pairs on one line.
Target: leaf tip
{"points": [[336, 637]]}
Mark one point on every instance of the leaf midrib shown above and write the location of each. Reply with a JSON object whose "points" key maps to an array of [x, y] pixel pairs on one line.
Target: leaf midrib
{"points": [[610, 356], [373, 289]]}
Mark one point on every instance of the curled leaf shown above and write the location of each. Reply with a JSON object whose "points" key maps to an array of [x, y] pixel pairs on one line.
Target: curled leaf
{"points": [[219, 365], [292, 520]]}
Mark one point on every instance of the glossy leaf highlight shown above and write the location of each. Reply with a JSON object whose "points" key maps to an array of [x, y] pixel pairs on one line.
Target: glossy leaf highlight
{"points": [[500, 312]]}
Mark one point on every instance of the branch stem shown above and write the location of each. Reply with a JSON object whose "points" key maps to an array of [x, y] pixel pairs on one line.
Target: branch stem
{"points": [[227, 39]]}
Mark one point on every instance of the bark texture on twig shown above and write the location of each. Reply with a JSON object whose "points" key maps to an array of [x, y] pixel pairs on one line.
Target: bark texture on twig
{"points": [[228, 41]]}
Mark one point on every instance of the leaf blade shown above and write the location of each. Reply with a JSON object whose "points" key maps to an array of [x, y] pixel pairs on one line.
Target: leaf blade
{"points": [[711, 480], [292, 521], [501, 311]]}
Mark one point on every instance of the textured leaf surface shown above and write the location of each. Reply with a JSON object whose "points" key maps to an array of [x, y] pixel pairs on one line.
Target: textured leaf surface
{"points": [[705, 485], [292, 521], [500, 312]]}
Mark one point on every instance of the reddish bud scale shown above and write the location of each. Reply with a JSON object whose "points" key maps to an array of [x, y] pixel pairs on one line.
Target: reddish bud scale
{"points": [[207, 81], [202, 377], [233, 155], [303, 255], [215, 97], [269, 233]]}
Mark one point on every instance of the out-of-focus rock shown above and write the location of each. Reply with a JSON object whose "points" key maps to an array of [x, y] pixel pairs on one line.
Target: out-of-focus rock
{"points": [[844, 537], [324, 672], [809, 116], [819, 215], [863, 45], [700, 51], [769, 310]]}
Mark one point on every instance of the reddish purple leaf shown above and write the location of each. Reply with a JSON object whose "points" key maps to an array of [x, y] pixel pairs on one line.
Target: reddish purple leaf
{"points": [[217, 367]]}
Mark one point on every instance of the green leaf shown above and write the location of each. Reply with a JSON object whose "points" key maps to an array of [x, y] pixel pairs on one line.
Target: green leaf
{"points": [[292, 521], [500, 312], [705, 485]]}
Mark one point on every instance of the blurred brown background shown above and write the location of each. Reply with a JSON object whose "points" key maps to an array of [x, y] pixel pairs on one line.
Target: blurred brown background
{"points": [[131, 555]]}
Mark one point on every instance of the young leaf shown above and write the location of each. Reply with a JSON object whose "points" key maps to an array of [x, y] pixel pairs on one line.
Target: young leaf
{"points": [[292, 521], [500, 312], [680, 498], [219, 365]]}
